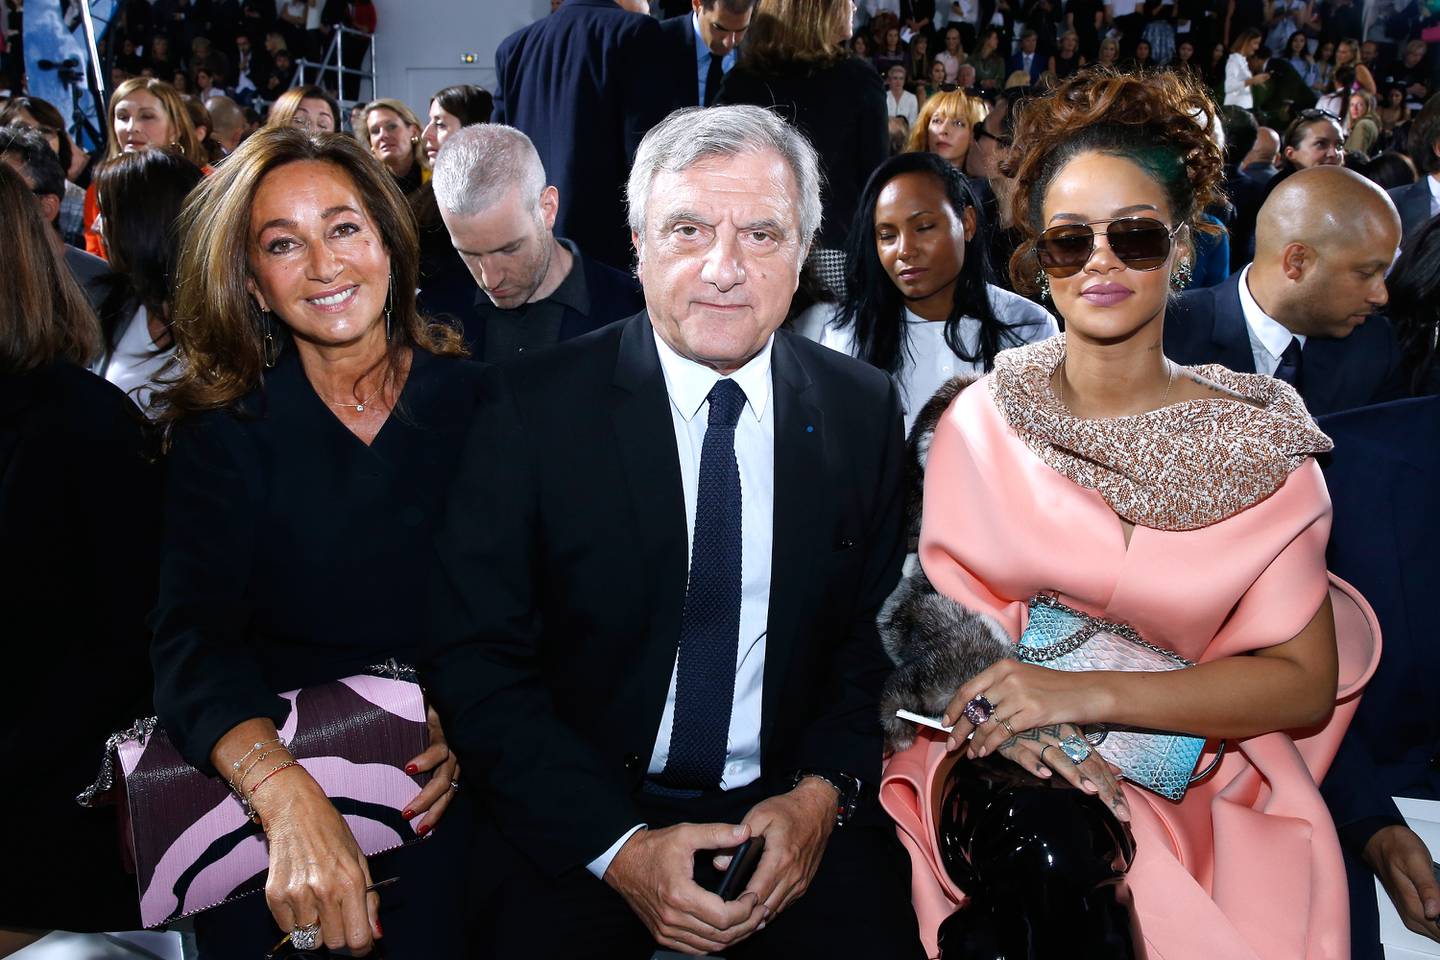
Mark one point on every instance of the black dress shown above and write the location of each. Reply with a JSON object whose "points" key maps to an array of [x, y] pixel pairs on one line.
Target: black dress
{"points": [[840, 107], [79, 498], [294, 554]]}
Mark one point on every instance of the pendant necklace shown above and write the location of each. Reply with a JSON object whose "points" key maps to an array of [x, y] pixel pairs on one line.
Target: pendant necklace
{"points": [[359, 407]]}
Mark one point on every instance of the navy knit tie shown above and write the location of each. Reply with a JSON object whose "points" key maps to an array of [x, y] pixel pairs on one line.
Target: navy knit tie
{"points": [[1290, 364], [710, 624]]}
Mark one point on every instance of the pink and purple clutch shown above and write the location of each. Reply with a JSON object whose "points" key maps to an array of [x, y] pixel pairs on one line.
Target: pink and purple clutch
{"points": [[193, 847]]}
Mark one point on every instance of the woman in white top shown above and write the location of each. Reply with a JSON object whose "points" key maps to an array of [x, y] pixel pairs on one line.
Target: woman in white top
{"points": [[1238, 78], [900, 102], [140, 197], [919, 306]]}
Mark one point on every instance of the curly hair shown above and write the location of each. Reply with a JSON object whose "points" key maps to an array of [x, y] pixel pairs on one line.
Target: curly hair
{"points": [[1158, 119]]}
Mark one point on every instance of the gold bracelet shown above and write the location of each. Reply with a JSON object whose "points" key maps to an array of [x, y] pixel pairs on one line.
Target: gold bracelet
{"points": [[239, 785], [287, 763], [257, 746]]}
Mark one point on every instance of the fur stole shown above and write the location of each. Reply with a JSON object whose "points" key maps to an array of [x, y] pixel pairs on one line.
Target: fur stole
{"points": [[935, 643]]}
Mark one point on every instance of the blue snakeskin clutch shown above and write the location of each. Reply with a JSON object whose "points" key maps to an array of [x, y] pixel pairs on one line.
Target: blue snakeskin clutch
{"points": [[1061, 638]]}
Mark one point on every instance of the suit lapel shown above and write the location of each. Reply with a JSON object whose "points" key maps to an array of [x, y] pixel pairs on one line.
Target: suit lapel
{"points": [[645, 437], [1231, 336], [800, 505]]}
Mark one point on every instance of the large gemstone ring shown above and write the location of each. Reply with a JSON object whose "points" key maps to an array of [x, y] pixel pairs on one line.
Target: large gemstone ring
{"points": [[1076, 749], [979, 710], [306, 937]]}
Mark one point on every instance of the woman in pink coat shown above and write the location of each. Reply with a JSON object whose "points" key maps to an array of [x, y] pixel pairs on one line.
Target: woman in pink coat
{"points": [[1184, 502]]}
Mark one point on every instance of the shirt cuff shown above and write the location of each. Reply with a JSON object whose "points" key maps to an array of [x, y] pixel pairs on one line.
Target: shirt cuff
{"points": [[600, 864]]}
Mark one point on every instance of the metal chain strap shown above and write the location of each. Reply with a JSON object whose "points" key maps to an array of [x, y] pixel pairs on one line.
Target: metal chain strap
{"points": [[1092, 626]]}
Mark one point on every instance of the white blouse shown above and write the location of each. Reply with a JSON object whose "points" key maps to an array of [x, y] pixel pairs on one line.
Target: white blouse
{"points": [[929, 361], [1237, 92], [135, 363]]}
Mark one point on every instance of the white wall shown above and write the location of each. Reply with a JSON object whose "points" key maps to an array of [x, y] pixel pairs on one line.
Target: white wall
{"points": [[419, 43]]}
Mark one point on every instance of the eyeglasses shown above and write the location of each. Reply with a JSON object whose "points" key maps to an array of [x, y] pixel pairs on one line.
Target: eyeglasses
{"points": [[1141, 243], [981, 133]]}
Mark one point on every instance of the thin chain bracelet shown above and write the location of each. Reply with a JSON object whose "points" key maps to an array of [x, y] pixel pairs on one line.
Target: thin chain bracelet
{"points": [[287, 763], [240, 784], [236, 765]]}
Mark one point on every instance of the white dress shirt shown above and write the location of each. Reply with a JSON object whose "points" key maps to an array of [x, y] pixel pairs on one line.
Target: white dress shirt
{"points": [[689, 384], [1268, 337], [1434, 180], [929, 361], [907, 106]]}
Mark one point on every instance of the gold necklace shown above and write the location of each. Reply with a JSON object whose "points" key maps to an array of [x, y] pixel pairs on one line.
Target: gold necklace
{"points": [[359, 407]]}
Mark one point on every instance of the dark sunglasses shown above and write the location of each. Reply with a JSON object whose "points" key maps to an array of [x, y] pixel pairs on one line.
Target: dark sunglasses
{"points": [[1141, 243], [1315, 113]]}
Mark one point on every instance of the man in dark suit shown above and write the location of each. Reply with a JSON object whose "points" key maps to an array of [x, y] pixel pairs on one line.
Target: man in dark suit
{"points": [[535, 289], [1306, 309], [654, 634], [1027, 58], [1245, 192], [1382, 478], [582, 84], [705, 45], [1420, 201]]}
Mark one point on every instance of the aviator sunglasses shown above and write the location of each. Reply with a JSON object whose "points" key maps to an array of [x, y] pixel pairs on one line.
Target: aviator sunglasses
{"points": [[1141, 243]]}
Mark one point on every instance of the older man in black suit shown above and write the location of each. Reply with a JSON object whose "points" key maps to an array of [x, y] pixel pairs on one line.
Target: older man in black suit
{"points": [[582, 84], [654, 632], [1420, 201], [1306, 310], [705, 44]]}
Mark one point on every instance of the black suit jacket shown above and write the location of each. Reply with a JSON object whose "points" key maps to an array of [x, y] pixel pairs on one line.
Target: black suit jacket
{"points": [[581, 84], [1208, 326], [680, 44], [1413, 202], [1382, 478], [562, 573]]}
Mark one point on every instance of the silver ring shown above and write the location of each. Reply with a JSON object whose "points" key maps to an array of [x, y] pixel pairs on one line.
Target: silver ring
{"points": [[455, 785], [1076, 749], [306, 937]]}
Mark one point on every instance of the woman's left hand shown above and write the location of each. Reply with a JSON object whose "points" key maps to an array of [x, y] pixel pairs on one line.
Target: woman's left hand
{"points": [[443, 783], [1023, 696]]}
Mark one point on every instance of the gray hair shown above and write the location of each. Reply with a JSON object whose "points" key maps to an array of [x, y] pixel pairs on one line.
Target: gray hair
{"points": [[696, 134], [482, 164]]}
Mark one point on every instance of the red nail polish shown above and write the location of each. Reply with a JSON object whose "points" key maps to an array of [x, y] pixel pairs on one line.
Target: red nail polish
{"points": [[408, 815], [379, 931], [412, 769], [424, 829]]}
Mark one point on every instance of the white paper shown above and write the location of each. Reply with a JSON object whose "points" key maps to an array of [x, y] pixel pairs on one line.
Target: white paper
{"points": [[931, 722], [1422, 816]]}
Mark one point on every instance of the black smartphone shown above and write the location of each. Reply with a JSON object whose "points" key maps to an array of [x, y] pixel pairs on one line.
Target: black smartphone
{"points": [[742, 867]]}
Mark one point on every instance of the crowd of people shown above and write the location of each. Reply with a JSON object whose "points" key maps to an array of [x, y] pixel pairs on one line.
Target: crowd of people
{"points": [[654, 404]]}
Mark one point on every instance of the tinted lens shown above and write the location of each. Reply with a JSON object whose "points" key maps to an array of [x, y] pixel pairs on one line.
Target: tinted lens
{"points": [[1063, 250], [1139, 242]]}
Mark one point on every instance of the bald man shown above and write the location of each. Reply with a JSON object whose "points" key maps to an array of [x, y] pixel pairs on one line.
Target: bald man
{"points": [[1306, 309]]}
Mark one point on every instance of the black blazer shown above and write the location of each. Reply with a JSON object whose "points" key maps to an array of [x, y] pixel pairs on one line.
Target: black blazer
{"points": [[79, 497], [294, 553], [1382, 478], [1413, 202], [680, 43], [841, 108], [562, 572], [581, 84], [1208, 326]]}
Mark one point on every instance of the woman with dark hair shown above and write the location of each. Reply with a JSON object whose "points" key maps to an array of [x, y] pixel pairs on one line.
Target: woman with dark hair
{"points": [[1324, 66], [1088, 476], [314, 425], [989, 61], [1142, 60], [141, 195], [308, 107], [892, 52], [1297, 54], [1314, 138], [1414, 309], [919, 305], [793, 62], [452, 108], [77, 577], [446, 286]]}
